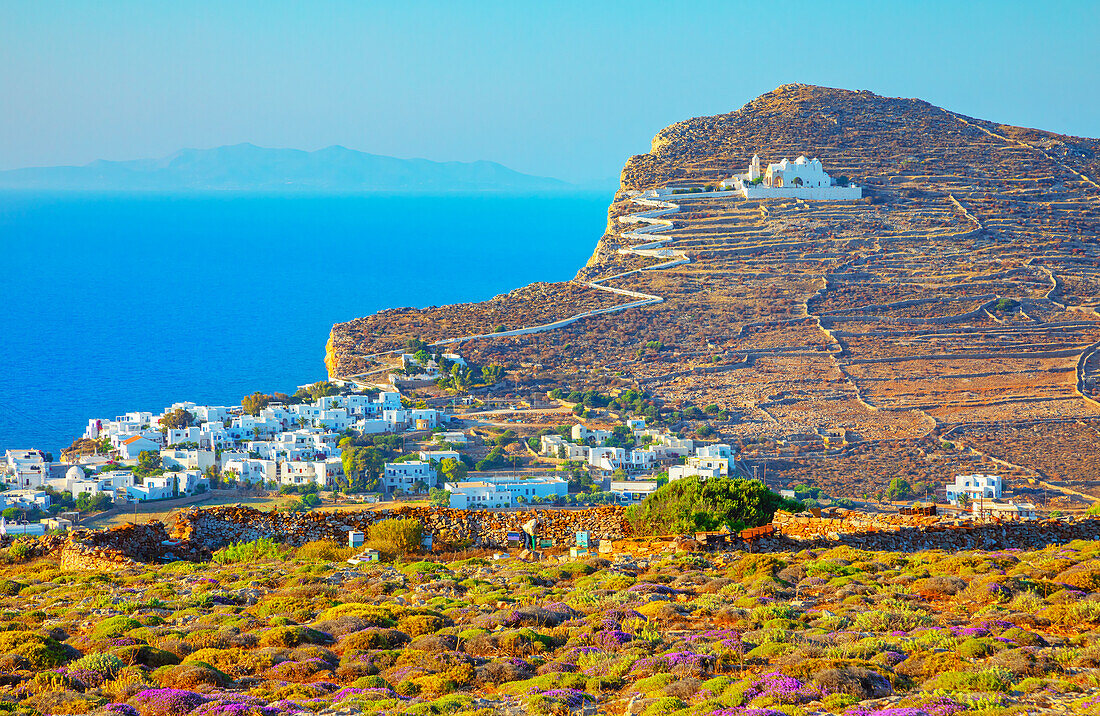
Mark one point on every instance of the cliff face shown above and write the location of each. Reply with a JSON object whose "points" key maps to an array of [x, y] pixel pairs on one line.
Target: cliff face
{"points": [[959, 293]]}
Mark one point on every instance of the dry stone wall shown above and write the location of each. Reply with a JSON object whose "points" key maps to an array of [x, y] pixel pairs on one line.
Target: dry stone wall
{"points": [[911, 533], [210, 529]]}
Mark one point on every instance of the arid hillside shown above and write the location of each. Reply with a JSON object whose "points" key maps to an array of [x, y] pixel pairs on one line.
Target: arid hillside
{"points": [[960, 293]]}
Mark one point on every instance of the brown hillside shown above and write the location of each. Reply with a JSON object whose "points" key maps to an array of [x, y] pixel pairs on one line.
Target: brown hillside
{"points": [[961, 291]]}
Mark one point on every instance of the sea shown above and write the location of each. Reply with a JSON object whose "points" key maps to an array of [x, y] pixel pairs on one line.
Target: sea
{"points": [[117, 302]]}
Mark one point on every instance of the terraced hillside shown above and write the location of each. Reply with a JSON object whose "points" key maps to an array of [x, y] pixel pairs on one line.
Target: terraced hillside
{"points": [[960, 292]]}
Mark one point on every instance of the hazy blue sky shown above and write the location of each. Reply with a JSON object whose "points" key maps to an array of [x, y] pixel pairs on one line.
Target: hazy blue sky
{"points": [[559, 88]]}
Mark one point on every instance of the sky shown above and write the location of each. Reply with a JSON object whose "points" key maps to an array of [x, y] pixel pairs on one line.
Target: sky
{"points": [[562, 89]]}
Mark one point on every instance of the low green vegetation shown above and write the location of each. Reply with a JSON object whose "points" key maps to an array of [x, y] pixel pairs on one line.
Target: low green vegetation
{"points": [[692, 504]]}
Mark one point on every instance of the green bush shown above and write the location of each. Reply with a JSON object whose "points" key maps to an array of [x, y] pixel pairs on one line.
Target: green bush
{"points": [[248, 552], [993, 680], [114, 626], [693, 504], [394, 537], [106, 664]]}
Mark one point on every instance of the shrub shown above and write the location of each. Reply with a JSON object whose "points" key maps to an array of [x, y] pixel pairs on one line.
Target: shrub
{"points": [[143, 654], [114, 626], [692, 504], [107, 665], [994, 679], [395, 537], [249, 552], [10, 588], [166, 702], [854, 681], [325, 551], [291, 636], [190, 674], [418, 624]]}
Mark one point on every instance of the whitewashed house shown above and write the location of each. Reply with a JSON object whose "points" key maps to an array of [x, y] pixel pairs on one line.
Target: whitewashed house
{"points": [[26, 469], [191, 459], [581, 433], [505, 491], [132, 447], [25, 499], [629, 491], [253, 471], [478, 495], [404, 475], [438, 456], [677, 472], [159, 487], [975, 487]]}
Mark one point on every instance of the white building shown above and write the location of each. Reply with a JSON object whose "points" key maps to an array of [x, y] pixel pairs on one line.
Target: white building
{"points": [[676, 447], [455, 437], [991, 509], [505, 491], [132, 447], [404, 475], [187, 459], [719, 450], [705, 465], [607, 458], [975, 487], [417, 419], [159, 487], [632, 490], [301, 472], [677, 472], [26, 469], [25, 499], [438, 456], [478, 494], [30, 529], [801, 179], [189, 482], [581, 433], [253, 471]]}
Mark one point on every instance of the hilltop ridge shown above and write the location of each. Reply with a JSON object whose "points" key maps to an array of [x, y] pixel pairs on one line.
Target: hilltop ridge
{"points": [[958, 298], [246, 166]]}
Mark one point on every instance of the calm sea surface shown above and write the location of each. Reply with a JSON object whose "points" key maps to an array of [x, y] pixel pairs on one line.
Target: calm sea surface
{"points": [[116, 302]]}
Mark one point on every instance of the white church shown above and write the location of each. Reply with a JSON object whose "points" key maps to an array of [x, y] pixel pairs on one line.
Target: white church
{"points": [[801, 179]]}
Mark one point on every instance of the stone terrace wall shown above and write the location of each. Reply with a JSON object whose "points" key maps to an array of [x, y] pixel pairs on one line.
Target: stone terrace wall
{"points": [[210, 529], [910, 533], [125, 546]]}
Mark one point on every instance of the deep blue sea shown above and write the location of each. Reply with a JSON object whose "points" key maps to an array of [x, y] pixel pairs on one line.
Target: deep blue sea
{"points": [[113, 303]]}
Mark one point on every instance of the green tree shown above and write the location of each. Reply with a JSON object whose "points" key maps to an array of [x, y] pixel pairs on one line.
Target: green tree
{"points": [[362, 463], [322, 389], [691, 504], [439, 497], [491, 374], [177, 419], [148, 460], [898, 489], [453, 470], [254, 403]]}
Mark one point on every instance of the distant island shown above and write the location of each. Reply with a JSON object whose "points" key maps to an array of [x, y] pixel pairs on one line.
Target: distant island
{"points": [[246, 167]]}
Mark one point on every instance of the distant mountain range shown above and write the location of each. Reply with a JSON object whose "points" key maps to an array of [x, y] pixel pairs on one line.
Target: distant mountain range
{"points": [[252, 168]]}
